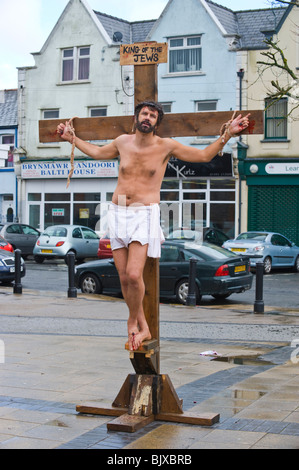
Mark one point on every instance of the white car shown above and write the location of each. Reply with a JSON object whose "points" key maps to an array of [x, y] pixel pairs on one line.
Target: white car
{"points": [[59, 240]]}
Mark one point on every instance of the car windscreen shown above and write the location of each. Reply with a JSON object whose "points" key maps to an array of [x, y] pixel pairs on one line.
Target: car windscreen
{"points": [[252, 236], [206, 251], [56, 232]]}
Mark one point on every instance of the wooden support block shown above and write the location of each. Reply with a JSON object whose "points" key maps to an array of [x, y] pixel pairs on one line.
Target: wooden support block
{"points": [[145, 363], [124, 395], [141, 402], [202, 419], [145, 359], [95, 408], [170, 402], [129, 423], [146, 346]]}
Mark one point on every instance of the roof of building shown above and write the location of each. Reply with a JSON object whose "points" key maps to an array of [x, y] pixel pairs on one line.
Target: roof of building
{"points": [[8, 108], [136, 31], [247, 24]]}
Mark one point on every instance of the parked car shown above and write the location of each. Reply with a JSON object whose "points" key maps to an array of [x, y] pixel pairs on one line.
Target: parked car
{"points": [[20, 236], [104, 250], [59, 240], [4, 245], [7, 266], [273, 249], [219, 272], [210, 235]]}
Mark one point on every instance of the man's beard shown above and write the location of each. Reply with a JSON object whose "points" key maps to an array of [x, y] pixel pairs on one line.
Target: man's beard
{"points": [[145, 127]]}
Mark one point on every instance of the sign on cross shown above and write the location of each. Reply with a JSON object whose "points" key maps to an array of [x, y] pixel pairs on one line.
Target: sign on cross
{"points": [[135, 407]]}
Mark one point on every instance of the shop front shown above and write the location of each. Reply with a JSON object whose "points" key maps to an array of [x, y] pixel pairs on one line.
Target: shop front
{"points": [[192, 195], [49, 202], [273, 195], [197, 195]]}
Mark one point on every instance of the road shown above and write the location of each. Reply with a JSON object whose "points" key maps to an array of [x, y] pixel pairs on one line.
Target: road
{"points": [[280, 287], [231, 319]]}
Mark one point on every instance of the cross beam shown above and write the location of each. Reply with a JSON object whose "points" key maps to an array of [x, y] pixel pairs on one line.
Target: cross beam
{"points": [[173, 125], [147, 395]]}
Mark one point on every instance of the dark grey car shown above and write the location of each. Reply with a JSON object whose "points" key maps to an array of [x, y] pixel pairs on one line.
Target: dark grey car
{"points": [[20, 236]]}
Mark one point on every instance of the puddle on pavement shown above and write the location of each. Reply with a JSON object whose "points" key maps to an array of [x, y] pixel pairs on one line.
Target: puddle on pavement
{"points": [[243, 360], [250, 395]]}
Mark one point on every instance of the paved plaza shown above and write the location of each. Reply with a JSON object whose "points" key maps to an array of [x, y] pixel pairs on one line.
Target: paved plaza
{"points": [[57, 353]]}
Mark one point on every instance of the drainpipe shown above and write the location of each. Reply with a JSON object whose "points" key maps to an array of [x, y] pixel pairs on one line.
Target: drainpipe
{"points": [[240, 74]]}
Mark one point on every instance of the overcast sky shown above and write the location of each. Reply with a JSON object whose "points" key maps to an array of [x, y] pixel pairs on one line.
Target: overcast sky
{"points": [[26, 24]]}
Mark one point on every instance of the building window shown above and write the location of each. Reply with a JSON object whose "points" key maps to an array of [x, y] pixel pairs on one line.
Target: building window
{"points": [[75, 64], [8, 140], [185, 54], [207, 105], [98, 112], [50, 113], [166, 107], [276, 119]]}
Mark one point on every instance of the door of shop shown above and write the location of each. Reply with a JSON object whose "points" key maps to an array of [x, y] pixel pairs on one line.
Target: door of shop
{"points": [[274, 208]]}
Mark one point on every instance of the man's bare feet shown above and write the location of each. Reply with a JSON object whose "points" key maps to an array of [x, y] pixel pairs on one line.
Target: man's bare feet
{"points": [[136, 339]]}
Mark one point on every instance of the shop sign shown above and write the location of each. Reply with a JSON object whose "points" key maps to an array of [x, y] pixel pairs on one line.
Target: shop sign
{"points": [[83, 169], [219, 166], [57, 212], [282, 168]]}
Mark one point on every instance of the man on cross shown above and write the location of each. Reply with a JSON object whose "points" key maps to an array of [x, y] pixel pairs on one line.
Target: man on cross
{"points": [[134, 216]]}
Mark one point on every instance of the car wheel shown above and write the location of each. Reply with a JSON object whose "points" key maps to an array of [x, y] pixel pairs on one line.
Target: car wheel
{"points": [[90, 284], [267, 265], [39, 259], [181, 292], [296, 265]]}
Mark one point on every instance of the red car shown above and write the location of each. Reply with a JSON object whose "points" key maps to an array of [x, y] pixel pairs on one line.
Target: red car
{"points": [[104, 250], [4, 245]]}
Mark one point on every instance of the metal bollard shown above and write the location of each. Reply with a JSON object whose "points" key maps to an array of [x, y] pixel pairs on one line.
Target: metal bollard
{"points": [[72, 291], [18, 286], [259, 303], [191, 297]]}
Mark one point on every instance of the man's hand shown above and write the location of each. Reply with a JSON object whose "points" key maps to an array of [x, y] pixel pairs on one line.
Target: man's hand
{"points": [[65, 131], [238, 125]]}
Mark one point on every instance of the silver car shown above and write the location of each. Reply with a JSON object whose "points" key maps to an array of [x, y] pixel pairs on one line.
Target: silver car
{"points": [[273, 249], [20, 236], [59, 240]]}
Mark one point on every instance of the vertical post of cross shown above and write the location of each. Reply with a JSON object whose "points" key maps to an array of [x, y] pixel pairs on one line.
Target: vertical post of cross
{"points": [[146, 89]]}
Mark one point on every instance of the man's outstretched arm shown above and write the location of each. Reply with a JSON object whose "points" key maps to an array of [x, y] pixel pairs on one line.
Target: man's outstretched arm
{"points": [[98, 153], [191, 154]]}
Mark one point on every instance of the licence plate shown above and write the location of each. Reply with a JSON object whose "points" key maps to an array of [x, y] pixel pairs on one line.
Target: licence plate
{"points": [[47, 251], [238, 249], [239, 269]]}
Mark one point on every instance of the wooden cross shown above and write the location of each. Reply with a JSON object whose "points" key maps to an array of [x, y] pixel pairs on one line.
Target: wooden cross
{"points": [[147, 395]]}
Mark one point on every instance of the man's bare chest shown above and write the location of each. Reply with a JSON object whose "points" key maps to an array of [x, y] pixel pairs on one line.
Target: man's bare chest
{"points": [[141, 164]]}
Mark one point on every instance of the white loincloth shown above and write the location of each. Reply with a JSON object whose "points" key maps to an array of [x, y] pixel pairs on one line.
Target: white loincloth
{"points": [[136, 223]]}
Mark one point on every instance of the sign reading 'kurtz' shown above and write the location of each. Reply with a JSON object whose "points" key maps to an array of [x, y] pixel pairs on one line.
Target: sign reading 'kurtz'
{"points": [[143, 53]]}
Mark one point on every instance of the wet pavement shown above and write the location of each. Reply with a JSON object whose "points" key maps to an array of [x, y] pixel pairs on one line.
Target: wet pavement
{"points": [[57, 353]]}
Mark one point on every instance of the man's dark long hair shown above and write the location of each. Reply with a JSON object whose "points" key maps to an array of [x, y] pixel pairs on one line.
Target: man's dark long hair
{"points": [[151, 105]]}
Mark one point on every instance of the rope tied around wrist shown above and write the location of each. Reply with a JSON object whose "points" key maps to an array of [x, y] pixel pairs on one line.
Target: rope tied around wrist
{"points": [[225, 130]]}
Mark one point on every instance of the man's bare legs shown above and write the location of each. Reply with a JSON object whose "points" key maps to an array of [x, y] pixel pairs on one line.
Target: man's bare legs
{"points": [[130, 265]]}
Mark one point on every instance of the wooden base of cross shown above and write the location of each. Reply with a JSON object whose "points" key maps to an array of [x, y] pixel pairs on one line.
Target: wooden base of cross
{"points": [[146, 397]]}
